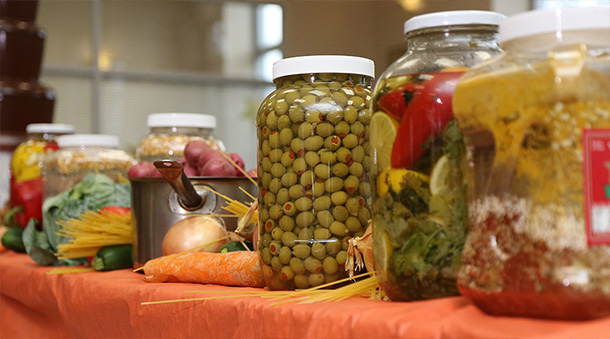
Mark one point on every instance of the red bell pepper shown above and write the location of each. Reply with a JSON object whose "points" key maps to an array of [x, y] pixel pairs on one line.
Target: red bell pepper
{"points": [[425, 115], [28, 195]]}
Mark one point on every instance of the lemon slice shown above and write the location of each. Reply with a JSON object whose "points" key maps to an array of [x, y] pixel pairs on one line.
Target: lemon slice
{"points": [[395, 179], [383, 133], [440, 177], [383, 250]]}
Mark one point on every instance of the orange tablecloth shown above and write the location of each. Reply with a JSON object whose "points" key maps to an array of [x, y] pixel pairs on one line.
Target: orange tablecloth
{"points": [[108, 305]]}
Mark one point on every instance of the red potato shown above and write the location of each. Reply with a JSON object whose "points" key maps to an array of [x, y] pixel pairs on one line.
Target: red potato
{"points": [[207, 157], [194, 150], [239, 162], [143, 170], [190, 171], [217, 167]]}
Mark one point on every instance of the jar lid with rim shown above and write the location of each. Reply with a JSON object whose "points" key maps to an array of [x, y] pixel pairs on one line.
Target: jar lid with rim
{"points": [[50, 128], [323, 64], [181, 120], [554, 20], [453, 18], [88, 140]]}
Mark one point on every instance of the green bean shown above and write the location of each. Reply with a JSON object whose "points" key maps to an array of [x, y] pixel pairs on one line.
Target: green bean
{"points": [[329, 265], [266, 240], [321, 233], [288, 238], [301, 251], [316, 279], [340, 170], [297, 266], [322, 171], [351, 184], [340, 213], [306, 234], [314, 143], [338, 228], [318, 250], [338, 198], [287, 158], [301, 281], [312, 264], [342, 129], [266, 255], [333, 246], [324, 129], [289, 209], [350, 114], [350, 141], [322, 203], [341, 257], [312, 158], [286, 223], [333, 184], [325, 218], [285, 255], [332, 143], [274, 139], [286, 135], [296, 191], [304, 219], [275, 185], [276, 233]]}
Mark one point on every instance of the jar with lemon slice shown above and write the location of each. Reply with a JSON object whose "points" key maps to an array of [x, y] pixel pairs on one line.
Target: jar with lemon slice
{"points": [[419, 196]]}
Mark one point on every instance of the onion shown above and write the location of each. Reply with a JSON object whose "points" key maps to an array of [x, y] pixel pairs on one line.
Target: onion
{"points": [[194, 232]]}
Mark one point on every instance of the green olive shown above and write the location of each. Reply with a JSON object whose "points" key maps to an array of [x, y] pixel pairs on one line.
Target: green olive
{"points": [[316, 279], [275, 155], [266, 164], [340, 170], [306, 101], [289, 209], [306, 234], [324, 129], [325, 218], [303, 204], [367, 163], [328, 278], [266, 255], [313, 116], [286, 274], [301, 251], [286, 135], [305, 130], [365, 189], [269, 199], [335, 116], [276, 264], [340, 213], [342, 129], [350, 141], [343, 154], [275, 185], [291, 96], [297, 266], [328, 157], [350, 114], [318, 188], [277, 170], [297, 146], [304, 219], [312, 158], [296, 114], [287, 158], [364, 215], [340, 98], [341, 257], [263, 213], [353, 224], [286, 223], [318, 250], [266, 180], [329, 265], [333, 184], [333, 246], [296, 191], [276, 233], [321, 234], [338, 198], [322, 203], [357, 128], [332, 143], [274, 247], [352, 204], [288, 238], [299, 165], [274, 139], [265, 240], [276, 212], [313, 143], [338, 228], [356, 169], [364, 116], [306, 179], [272, 120], [357, 102], [334, 85], [312, 264], [265, 148], [289, 179], [285, 255], [351, 184], [301, 281], [322, 171]]}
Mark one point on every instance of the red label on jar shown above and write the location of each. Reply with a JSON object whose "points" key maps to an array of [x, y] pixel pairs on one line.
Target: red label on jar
{"points": [[596, 170]]}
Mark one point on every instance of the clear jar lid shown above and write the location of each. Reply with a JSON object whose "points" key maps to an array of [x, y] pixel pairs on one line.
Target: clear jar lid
{"points": [[49, 128], [555, 20], [181, 120], [453, 18], [88, 140], [323, 64]]}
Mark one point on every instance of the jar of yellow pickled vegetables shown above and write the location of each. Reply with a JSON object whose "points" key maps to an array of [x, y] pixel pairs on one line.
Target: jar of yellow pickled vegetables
{"points": [[419, 199], [536, 123]]}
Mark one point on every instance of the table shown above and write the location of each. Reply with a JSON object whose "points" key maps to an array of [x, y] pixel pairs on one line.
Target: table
{"points": [[34, 304]]}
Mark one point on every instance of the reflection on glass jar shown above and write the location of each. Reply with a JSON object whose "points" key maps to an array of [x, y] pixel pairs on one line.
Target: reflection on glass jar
{"points": [[419, 198], [536, 123], [313, 164]]}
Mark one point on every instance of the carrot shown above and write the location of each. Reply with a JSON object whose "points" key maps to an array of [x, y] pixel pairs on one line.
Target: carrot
{"points": [[240, 268]]}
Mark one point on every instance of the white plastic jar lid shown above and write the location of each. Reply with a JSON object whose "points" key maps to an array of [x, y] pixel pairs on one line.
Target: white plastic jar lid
{"points": [[453, 18], [323, 64], [49, 128], [554, 20], [88, 140], [181, 120]]}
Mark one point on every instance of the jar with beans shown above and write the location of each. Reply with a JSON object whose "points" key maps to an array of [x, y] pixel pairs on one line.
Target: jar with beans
{"points": [[313, 162]]}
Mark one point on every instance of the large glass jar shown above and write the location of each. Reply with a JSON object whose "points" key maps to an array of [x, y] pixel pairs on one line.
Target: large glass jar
{"points": [[170, 132], [536, 122], [419, 199], [313, 163]]}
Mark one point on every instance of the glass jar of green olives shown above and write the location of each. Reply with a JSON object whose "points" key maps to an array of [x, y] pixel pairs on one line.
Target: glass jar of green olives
{"points": [[313, 163], [419, 200]]}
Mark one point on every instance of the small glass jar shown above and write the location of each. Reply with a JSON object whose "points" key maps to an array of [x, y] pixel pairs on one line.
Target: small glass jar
{"points": [[313, 163], [419, 199], [28, 156], [536, 123], [80, 154], [170, 132]]}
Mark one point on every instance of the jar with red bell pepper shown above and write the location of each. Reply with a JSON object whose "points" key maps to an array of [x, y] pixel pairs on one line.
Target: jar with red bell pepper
{"points": [[26, 178], [419, 195]]}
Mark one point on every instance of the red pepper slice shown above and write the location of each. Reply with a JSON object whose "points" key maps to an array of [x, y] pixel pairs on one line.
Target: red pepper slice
{"points": [[426, 114], [117, 210], [28, 194]]}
